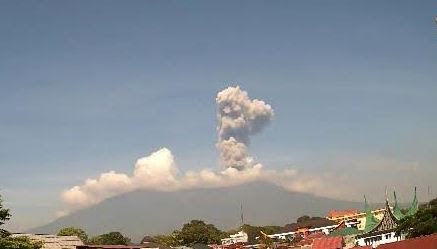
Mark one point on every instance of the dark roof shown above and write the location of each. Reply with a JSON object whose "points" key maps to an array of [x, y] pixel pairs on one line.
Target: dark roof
{"points": [[154, 245], [313, 222], [147, 238], [346, 231], [424, 242], [200, 246]]}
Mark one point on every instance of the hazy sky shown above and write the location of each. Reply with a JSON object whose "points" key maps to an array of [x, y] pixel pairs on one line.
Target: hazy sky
{"points": [[91, 86]]}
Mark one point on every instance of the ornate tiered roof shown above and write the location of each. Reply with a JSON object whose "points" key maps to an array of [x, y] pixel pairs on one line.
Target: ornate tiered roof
{"points": [[390, 218], [388, 221], [396, 209], [414, 205], [387, 224], [371, 220]]}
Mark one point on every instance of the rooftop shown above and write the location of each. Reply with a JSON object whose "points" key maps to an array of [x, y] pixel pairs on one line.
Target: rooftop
{"points": [[424, 242], [328, 243]]}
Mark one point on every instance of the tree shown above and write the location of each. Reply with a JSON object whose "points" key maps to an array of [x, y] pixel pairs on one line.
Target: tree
{"points": [[197, 231], [112, 238], [265, 241], [168, 240], [254, 231], [19, 243], [74, 231], [423, 222], [4, 216], [6, 241], [303, 218]]}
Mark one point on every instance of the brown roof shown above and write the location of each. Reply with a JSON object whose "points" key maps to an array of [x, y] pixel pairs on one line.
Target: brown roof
{"points": [[339, 213], [313, 222], [308, 240], [424, 242], [362, 247]]}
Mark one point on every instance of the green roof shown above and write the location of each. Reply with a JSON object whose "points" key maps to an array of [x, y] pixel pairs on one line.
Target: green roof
{"points": [[414, 205], [345, 231], [371, 220], [396, 209]]}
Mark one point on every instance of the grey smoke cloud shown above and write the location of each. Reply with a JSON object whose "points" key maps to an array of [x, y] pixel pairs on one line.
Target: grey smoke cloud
{"points": [[238, 119]]}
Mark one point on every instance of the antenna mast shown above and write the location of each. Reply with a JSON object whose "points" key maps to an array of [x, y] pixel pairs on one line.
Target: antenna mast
{"points": [[242, 214]]}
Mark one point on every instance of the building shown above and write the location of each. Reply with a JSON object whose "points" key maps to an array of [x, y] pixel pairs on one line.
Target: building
{"points": [[348, 233], [424, 242], [379, 232], [53, 241], [354, 216], [240, 237], [303, 229]]}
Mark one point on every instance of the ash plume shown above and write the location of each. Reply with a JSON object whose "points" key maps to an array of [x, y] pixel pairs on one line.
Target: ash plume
{"points": [[238, 118]]}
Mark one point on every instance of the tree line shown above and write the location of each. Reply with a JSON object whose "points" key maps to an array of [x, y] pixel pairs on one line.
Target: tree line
{"points": [[424, 222]]}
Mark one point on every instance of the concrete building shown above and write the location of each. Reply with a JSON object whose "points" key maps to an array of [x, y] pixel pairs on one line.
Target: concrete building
{"points": [[53, 241]]}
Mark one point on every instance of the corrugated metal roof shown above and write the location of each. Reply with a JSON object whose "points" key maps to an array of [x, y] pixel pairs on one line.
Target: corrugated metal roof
{"points": [[53, 241], [424, 242]]}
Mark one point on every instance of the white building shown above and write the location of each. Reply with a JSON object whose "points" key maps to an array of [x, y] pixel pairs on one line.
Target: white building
{"points": [[53, 241], [240, 237]]}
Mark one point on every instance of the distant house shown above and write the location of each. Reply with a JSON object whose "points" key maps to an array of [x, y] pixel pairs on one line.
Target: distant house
{"points": [[240, 237], [150, 243], [53, 241], [305, 228]]}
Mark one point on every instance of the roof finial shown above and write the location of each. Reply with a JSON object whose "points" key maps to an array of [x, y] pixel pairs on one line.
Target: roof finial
{"points": [[386, 194]]}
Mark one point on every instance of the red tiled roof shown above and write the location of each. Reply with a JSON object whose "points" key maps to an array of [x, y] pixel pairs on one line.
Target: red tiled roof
{"points": [[328, 243], [362, 247], [424, 242], [308, 240], [338, 213]]}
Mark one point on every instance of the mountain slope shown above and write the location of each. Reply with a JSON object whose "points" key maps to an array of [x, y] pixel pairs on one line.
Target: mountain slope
{"points": [[149, 212]]}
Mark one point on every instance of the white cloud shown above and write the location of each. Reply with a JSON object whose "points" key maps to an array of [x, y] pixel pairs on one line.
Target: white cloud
{"points": [[239, 117]]}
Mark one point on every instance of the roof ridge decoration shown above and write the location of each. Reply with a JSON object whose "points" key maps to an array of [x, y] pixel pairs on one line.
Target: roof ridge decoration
{"points": [[414, 204], [396, 209], [371, 221], [388, 221]]}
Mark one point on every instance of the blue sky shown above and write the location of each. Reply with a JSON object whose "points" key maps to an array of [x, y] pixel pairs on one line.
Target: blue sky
{"points": [[90, 86]]}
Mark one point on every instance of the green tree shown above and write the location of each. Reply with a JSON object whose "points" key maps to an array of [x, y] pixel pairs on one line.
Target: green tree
{"points": [[168, 240], [197, 231], [112, 238], [19, 243], [6, 241], [5, 215], [255, 231], [303, 218], [74, 231], [423, 222], [265, 241]]}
